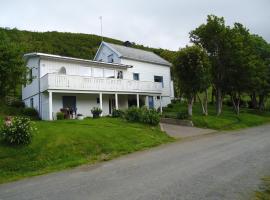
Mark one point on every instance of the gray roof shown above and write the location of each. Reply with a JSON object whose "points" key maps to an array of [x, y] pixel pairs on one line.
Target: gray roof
{"points": [[138, 54]]}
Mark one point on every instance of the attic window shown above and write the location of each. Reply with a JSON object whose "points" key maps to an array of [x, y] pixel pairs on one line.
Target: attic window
{"points": [[110, 58], [62, 70]]}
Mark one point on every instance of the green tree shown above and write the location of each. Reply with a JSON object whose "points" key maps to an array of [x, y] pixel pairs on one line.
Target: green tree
{"points": [[261, 78], [241, 64], [12, 68], [192, 68], [212, 36]]}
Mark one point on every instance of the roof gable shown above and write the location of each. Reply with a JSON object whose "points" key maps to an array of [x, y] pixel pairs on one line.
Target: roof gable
{"points": [[135, 54]]}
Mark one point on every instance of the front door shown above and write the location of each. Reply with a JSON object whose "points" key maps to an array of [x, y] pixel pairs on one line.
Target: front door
{"points": [[69, 102], [151, 102], [111, 105]]}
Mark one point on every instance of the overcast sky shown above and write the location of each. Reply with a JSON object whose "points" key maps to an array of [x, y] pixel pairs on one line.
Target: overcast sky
{"points": [[164, 23]]}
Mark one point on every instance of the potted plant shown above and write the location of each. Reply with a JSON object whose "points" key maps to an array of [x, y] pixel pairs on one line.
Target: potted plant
{"points": [[96, 112], [80, 117]]}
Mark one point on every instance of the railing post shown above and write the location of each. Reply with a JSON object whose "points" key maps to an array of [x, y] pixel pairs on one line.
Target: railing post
{"points": [[138, 101], [50, 106], [100, 102], [116, 101]]}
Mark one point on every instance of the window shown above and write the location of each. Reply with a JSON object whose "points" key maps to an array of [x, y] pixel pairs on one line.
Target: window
{"points": [[159, 79], [136, 76], [32, 103], [108, 73], [62, 70], [110, 58], [31, 75], [98, 100], [119, 74]]}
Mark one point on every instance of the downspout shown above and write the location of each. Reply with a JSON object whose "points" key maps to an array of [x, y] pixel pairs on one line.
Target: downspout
{"points": [[39, 97]]}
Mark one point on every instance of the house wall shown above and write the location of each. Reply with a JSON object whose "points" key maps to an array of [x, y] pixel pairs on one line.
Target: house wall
{"points": [[147, 71], [104, 52], [32, 88], [35, 102]]}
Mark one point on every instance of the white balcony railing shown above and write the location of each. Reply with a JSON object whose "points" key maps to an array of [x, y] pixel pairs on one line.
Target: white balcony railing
{"points": [[74, 82]]}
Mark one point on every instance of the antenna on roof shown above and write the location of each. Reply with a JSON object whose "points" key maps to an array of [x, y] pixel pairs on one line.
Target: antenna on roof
{"points": [[100, 17]]}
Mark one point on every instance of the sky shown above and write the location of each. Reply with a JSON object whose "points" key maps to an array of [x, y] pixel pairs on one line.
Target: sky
{"points": [[155, 23]]}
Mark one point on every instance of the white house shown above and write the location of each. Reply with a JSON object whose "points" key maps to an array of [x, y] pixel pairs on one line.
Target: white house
{"points": [[118, 77]]}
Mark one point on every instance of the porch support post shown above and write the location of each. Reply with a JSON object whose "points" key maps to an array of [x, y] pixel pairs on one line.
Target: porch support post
{"points": [[116, 101], [138, 101], [160, 101], [100, 102], [50, 106]]}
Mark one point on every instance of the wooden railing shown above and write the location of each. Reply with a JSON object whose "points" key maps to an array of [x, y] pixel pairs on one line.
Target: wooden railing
{"points": [[74, 82]]}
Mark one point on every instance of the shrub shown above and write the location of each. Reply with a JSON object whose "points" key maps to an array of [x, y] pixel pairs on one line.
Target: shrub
{"points": [[174, 101], [182, 115], [19, 132], [143, 115], [118, 113], [17, 104], [133, 114], [60, 116], [30, 112], [151, 117], [96, 112], [170, 105]]}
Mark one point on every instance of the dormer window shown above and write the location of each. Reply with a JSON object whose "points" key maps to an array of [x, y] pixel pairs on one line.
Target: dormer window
{"points": [[62, 71], [110, 58]]}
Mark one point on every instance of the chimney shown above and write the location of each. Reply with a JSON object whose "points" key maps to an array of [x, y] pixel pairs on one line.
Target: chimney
{"points": [[127, 44]]}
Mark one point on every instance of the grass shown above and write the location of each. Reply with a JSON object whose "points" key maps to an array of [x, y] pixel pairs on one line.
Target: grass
{"points": [[264, 192], [228, 120], [68, 143]]}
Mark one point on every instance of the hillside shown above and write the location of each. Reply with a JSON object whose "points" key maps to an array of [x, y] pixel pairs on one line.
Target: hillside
{"points": [[68, 44]]}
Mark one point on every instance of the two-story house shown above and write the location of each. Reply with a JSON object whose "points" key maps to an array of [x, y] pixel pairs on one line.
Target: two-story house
{"points": [[119, 77]]}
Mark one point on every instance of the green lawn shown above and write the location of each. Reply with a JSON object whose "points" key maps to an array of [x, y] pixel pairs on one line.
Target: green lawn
{"points": [[68, 143], [228, 120]]}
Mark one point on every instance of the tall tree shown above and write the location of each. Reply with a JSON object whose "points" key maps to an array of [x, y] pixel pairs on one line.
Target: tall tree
{"points": [[192, 68], [261, 78], [212, 36], [12, 68], [241, 64]]}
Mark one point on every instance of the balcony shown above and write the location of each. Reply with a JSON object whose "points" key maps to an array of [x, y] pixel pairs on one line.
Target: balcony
{"points": [[87, 83]]}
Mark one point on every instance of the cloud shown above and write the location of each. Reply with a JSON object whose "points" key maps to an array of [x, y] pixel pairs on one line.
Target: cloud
{"points": [[164, 24]]}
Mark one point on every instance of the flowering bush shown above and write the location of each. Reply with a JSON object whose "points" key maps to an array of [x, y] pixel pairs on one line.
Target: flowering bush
{"points": [[96, 112], [19, 131]]}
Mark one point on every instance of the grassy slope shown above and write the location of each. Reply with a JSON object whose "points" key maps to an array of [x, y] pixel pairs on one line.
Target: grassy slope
{"points": [[63, 144], [227, 121]]}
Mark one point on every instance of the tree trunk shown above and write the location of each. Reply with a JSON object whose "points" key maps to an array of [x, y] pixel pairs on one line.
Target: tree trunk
{"points": [[254, 102], [206, 103], [190, 104], [261, 102], [202, 104], [218, 101], [236, 103], [213, 95]]}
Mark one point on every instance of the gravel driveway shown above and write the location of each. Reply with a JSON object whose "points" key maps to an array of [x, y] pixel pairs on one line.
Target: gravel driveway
{"points": [[220, 166]]}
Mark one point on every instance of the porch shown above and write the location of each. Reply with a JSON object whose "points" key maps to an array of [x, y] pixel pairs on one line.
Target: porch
{"points": [[82, 103]]}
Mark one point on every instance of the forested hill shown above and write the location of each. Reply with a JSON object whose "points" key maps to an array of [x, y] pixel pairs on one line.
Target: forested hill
{"points": [[68, 44]]}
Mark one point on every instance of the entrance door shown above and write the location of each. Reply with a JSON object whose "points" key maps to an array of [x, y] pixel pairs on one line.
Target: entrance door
{"points": [[69, 102], [111, 105], [151, 102]]}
